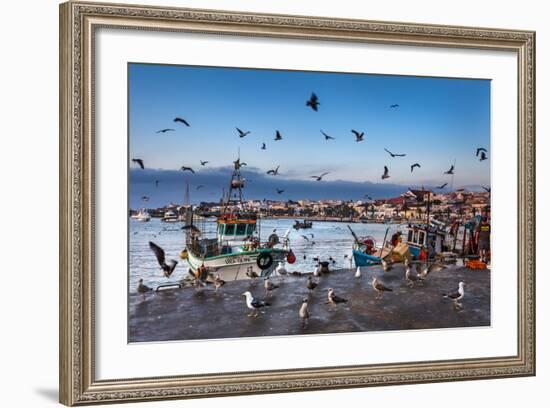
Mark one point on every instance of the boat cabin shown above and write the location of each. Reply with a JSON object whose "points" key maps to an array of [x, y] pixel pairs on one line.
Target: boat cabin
{"points": [[427, 237]]}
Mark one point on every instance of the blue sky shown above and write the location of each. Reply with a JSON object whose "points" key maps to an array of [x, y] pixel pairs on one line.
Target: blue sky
{"points": [[440, 121]]}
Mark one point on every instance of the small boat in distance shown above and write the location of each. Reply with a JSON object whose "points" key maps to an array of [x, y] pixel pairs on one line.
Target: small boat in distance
{"points": [[169, 216], [302, 225], [142, 215]]}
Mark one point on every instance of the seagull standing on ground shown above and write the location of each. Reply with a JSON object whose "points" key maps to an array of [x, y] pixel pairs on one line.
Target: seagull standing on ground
{"points": [[411, 277], [252, 274], [304, 313], [280, 269], [269, 286], [141, 288], [456, 296], [386, 266], [218, 282], [358, 272], [311, 284], [333, 299], [254, 304], [379, 287], [167, 267]]}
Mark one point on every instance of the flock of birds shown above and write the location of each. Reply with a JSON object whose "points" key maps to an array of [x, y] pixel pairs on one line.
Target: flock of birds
{"points": [[415, 272], [313, 103]]}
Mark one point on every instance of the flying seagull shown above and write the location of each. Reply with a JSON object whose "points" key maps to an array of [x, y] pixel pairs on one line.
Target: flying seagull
{"points": [[414, 165], [442, 186], [394, 106], [280, 191], [311, 284], [278, 135], [488, 189], [333, 299], [480, 149], [139, 162], [319, 178], [395, 154], [141, 288], [304, 313], [327, 137], [165, 130], [181, 120], [451, 170], [199, 187], [157, 183], [145, 198], [263, 146], [204, 163], [358, 136], [269, 286], [184, 168], [254, 304], [483, 156], [273, 172], [423, 269], [167, 267], [386, 173], [241, 133], [313, 102], [456, 296]]}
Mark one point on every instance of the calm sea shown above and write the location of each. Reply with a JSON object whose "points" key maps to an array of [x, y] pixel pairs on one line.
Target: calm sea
{"points": [[330, 239]]}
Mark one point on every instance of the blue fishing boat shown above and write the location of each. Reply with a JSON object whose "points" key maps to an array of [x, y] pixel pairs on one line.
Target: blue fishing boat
{"points": [[365, 251], [430, 238]]}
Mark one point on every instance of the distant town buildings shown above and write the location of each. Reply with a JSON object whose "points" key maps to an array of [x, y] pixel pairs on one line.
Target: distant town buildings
{"points": [[413, 205]]}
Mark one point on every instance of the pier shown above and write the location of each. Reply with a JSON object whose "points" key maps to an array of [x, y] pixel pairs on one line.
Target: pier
{"points": [[188, 313]]}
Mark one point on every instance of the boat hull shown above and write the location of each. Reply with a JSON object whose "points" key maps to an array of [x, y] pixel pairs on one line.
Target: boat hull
{"points": [[362, 259], [235, 266]]}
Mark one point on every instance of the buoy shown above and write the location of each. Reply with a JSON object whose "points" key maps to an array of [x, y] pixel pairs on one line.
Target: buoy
{"points": [[184, 254], [291, 258]]}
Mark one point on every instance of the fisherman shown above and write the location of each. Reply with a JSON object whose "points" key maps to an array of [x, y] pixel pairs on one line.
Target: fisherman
{"points": [[484, 239], [396, 239]]}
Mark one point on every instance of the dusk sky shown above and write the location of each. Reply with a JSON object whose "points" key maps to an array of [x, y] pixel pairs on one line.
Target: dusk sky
{"points": [[439, 122]]}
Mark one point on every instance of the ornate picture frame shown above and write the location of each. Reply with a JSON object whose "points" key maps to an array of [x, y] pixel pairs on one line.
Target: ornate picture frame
{"points": [[78, 24]]}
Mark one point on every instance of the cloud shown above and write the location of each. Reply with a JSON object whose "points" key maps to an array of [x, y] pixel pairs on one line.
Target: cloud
{"points": [[172, 185]]}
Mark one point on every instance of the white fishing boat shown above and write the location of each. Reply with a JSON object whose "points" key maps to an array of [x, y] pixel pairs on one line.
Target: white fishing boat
{"points": [[142, 215], [169, 216], [236, 251]]}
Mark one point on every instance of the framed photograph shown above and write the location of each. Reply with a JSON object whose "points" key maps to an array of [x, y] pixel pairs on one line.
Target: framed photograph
{"points": [[256, 203]]}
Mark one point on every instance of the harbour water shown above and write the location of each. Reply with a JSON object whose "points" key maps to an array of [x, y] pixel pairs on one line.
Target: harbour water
{"points": [[330, 239]]}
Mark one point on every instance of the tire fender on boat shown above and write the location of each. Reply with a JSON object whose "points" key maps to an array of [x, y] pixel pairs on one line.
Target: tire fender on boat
{"points": [[264, 261]]}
